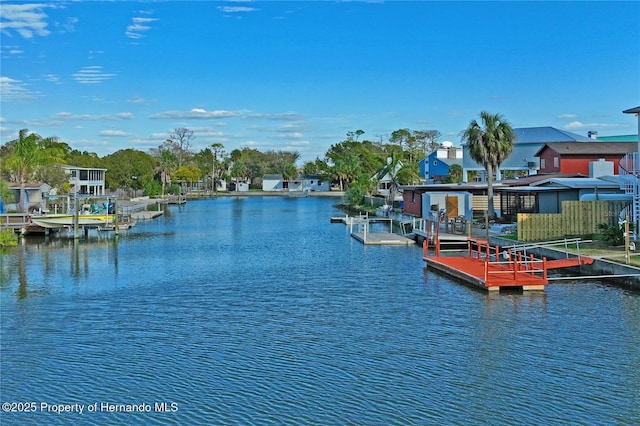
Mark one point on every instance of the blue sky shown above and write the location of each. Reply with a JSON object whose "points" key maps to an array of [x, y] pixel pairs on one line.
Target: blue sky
{"points": [[105, 76]]}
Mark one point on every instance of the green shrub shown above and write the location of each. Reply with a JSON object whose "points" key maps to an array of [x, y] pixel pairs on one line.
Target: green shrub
{"points": [[614, 235], [153, 189], [8, 238]]}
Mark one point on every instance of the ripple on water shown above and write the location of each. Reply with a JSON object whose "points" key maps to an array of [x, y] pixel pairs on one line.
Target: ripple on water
{"points": [[270, 315]]}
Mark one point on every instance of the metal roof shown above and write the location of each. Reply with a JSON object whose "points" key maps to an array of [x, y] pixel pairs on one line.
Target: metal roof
{"points": [[547, 134], [635, 110]]}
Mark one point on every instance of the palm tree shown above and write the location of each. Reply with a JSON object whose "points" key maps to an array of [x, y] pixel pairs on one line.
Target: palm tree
{"points": [[166, 164], [217, 149], [346, 170], [489, 144], [30, 151], [392, 171]]}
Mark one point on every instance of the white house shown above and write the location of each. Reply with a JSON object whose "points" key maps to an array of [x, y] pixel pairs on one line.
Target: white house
{"points": [[86, 181], [276, 182], [272, 182]]}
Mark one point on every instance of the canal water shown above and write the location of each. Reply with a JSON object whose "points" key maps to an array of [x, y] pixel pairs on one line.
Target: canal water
{"points": [[258, 310]]}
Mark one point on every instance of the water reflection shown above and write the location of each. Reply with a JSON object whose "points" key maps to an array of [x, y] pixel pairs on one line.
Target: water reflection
{"points": [[35, 263]]}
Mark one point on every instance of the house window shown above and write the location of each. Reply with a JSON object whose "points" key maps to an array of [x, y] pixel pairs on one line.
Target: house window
{"points": [[556, 162], [542, 164]]}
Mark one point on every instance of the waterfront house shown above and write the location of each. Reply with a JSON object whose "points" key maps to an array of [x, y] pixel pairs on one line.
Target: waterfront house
{"points": [[238, 185], [415, 203], [435, 167], [273, 182], [523, 160], [34, 197], [85, 181], [577, 157], [308, 182], [547, 195]]}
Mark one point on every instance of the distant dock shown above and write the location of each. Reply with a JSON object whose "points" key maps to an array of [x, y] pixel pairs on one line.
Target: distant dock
{"points": [[360, 230]]}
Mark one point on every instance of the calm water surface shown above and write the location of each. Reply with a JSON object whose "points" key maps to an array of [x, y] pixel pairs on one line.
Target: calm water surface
{"points": [[252, 311]]}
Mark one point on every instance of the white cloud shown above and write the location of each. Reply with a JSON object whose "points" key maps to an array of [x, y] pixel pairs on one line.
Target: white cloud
{"points": [[52, 78], [25, 19], [125, 116], [11, 89], [92, 75], [567, 116], [195, 114], [138, 27], [68, 26], [577, 125], [138, 100], [236, 9], [67, 116], [290, 135], [288, 116], [114, 133]]}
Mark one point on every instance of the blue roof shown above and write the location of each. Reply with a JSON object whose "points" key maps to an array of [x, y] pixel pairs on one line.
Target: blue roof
{"points": [[547, 134]]}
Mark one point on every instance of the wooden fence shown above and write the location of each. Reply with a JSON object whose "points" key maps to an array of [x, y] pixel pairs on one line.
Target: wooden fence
{"points": [[577, 218]]}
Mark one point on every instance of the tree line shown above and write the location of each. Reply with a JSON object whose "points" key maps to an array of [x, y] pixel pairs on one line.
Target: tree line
{"points": [[353, 165]]}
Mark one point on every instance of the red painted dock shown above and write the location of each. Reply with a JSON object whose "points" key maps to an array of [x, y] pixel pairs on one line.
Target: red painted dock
{"points": [[488, 268]]}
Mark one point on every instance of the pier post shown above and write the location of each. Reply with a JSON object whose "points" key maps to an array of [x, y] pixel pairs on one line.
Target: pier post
{"points": [[115, 211], [76, 220]]}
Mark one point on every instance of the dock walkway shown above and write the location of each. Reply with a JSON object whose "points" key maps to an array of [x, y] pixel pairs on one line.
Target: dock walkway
{"points": [[490, 269]]}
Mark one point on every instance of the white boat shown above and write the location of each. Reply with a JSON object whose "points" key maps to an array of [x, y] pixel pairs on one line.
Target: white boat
{"points": [[122, 226], [60, 220]]}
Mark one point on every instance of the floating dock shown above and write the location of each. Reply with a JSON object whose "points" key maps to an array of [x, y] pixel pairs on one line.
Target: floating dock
{"points": [[360, 230], [381, 238], [488, 268]]}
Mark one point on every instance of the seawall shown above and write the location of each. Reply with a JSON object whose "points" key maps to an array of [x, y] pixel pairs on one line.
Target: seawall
{"points": [[599, 267]]}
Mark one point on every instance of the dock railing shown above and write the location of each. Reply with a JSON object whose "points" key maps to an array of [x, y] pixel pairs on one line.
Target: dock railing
{"points": [[547, 244], [14, 220], [517, 269]]}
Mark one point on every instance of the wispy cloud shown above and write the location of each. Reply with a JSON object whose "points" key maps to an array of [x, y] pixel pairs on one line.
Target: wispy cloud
{"points": [[287, 116], [114, 133], [28, 20], [139, 26], [67, 116], [567, 116], [577, 125], [92, 75], [52, 78], [11, 89], [136, 99], [68, 26], [236, 9], [195, 114]]}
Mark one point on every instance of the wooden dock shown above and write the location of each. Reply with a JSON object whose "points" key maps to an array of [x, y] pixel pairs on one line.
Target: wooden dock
{"points": [[488, 268]]}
